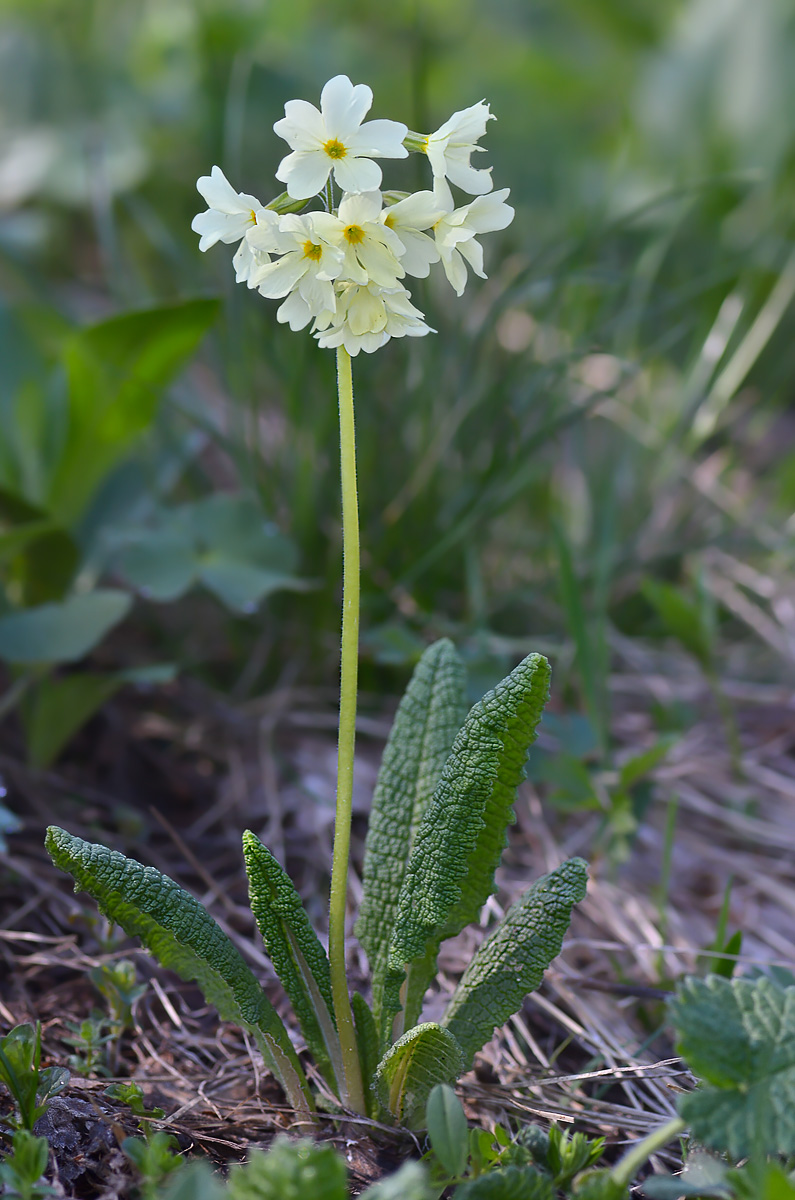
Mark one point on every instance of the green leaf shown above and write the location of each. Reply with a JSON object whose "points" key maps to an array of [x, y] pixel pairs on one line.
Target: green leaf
{"points": [[223, 542], [61, 632], [56, 708], [703, 1176], [633, 770], [116, 371], [508, 1183], [409, 1183], [448, 1129], [428, 718], [290, 1170], [410, 1069], [682, 617], [183, 937], [296, 953], [511, 962], [599, 1185], [458, 846], [739, 1036], [367, 1043]]}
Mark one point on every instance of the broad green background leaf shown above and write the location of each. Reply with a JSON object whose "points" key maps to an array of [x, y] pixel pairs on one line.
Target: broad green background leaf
{"points": [[739, 1037], [462, 834], [62, 632], [511, 962], [183, 937], [703, 1176], [116, 371], [39, 554], [57, 707], [428, 718], [223, 542], [408, 1072], [368, 1044], [448, 1129]]}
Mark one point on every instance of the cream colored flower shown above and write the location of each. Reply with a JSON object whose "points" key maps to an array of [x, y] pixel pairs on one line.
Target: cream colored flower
{"points": [[307, 266], [450, 148], [368, 316], [335, 139], [456, 231], [372, 251], [408, 218], [229, 213]]}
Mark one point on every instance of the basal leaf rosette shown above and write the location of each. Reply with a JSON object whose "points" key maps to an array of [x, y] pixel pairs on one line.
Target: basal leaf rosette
{"points": [[338, 262]]}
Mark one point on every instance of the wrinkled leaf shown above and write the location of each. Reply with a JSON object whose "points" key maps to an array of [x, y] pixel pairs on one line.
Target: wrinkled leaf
{"points": [[408, 1072], [738, 1035], [512, 961], [428, 718]]}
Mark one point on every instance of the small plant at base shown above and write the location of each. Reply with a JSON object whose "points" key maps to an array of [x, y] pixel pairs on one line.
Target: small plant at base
{"points": [[156, 1154], [31, 1087], [89, 1039], [22, 1171], [445, 790]]}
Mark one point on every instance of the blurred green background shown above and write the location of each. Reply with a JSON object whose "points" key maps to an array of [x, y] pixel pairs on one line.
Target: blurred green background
{"points": [[595, 450]]}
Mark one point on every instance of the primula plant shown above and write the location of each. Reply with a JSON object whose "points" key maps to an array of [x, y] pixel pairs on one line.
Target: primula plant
{"points": [[447, 782]]}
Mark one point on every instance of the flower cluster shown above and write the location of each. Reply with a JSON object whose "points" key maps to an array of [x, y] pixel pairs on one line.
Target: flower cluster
{"points": [[342, 267]]}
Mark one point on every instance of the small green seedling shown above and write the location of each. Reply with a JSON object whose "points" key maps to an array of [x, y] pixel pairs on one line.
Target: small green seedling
{"points": [[118, 984], [31, 1087], [89, 1040], [21, 1173], [155, 1155]]}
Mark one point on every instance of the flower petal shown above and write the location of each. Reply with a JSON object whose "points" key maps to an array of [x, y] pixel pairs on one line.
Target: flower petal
{"points": [[280, 277], [344, 106], [218, 192], [302, 126], [304, 172], [356, 174], [381, 139]]}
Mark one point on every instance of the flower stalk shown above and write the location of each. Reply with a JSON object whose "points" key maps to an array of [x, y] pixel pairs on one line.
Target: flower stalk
{"points": [[353, 1096]]}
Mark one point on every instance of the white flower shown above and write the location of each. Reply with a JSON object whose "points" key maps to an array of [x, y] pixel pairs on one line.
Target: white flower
{"points": [[334, 138], [449, 149], [455, 231], [307, 266], [368, 316], [371, 250], [249, 259], [229, 214], [408, 217]]}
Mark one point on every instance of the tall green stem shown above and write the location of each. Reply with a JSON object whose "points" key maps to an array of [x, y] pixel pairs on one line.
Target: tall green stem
{"points": [[347, 736]]}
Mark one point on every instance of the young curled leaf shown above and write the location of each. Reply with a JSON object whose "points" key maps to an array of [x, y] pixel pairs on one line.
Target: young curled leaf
{"points": [[408, 1072]]}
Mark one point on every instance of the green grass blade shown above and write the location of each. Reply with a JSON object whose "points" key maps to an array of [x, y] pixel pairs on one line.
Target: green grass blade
{"points": [[430, 715], [296, 953], [183, 937], [512, 961], [450, 874]]}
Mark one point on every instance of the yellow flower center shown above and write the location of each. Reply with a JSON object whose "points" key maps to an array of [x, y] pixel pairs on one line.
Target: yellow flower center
{"points": [[313, 251], [353, 234], [389, 220], [253, 216], [335, 149]]}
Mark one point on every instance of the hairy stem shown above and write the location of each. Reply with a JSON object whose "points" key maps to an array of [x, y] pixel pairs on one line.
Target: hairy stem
{"points": [[354, 1097], [626, 1169]]}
